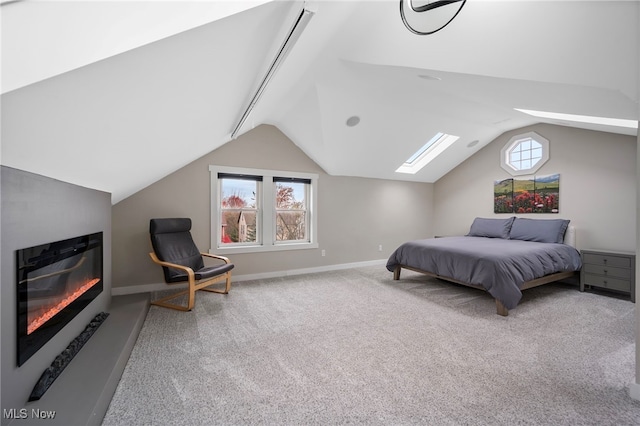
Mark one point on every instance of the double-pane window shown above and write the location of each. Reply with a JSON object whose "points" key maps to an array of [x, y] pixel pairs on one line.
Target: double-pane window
{"points": [[262, 210]]}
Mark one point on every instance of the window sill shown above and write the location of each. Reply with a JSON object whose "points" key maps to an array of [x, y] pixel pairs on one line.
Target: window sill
{"points": [[261, 249]]}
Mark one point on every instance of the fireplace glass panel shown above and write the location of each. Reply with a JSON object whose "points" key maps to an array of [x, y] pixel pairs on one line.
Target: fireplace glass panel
{"points": [[55, 282]]}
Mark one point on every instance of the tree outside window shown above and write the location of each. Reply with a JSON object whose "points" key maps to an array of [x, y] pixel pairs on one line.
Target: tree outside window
{"points": [[239, 210], [291, 209]]}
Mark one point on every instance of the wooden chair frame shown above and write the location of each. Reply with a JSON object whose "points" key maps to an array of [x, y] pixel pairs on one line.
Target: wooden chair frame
{"points": [[193, 284]]}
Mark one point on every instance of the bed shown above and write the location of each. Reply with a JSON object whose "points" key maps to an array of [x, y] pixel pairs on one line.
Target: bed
{"points": [[501, 256]]}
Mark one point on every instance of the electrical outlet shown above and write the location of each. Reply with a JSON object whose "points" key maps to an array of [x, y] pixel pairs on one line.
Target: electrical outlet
{"points": [[380, 247], [323, 253]]}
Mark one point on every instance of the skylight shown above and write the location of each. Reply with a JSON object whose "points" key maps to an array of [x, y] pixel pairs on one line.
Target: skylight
{"points": [[427, 153], [618, 122]]}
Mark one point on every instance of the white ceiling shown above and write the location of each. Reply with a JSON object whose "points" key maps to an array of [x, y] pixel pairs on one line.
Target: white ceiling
{"points": [[44, 38], [354, 58]]}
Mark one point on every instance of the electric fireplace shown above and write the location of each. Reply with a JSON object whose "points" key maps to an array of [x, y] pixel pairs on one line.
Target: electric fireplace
{"points": [[55, 282]]}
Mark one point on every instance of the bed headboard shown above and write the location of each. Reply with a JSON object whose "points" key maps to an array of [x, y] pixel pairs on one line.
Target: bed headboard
{"points": [[570, 236]]}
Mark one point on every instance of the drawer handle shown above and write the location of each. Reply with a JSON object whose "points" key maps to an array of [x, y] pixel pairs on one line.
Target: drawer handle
{"points": [[605, 261], [605, 272], [605, 282]]}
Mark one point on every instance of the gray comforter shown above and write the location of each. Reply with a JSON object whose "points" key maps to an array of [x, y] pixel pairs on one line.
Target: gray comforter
{"points": [[501, 266]]}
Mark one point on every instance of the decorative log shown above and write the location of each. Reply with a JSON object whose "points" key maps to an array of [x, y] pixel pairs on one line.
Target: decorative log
{"points": [[61, 361]]}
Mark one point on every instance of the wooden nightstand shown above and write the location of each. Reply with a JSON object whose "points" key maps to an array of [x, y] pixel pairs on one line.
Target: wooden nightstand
{"points": [[609, 270]]}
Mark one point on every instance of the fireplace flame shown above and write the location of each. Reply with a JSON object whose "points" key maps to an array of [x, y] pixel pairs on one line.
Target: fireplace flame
{"points": [[52, 311]]}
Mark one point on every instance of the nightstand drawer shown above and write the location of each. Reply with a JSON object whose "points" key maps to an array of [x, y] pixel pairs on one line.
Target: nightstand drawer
{"points": [[607, 271], [606, 260], [607, 282]]}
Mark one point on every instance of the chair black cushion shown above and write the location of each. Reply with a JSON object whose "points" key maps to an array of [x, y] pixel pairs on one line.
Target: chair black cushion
{"points": [[172, 242], [206, 272], [164, 226]]}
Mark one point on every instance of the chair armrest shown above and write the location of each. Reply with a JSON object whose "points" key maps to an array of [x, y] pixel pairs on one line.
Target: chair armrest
{"points": [[188, 270], [215, 256]]}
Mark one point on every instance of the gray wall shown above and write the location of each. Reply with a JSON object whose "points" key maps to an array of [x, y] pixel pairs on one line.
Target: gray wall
{"points": [[597, 186], [635, 388], [37, 210], [355, 215]]}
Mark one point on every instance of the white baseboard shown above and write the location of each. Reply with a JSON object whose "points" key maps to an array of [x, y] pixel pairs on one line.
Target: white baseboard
{"points": [[147, 288], [634, 391]]}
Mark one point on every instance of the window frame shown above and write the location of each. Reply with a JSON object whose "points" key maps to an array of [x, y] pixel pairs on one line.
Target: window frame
{"points": [[427, 153], [257, 209], [266, 212], [505, 153], [305, 210]]}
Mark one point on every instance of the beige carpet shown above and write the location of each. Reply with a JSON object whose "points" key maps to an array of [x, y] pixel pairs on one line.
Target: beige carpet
{"points": [[356, 347]]}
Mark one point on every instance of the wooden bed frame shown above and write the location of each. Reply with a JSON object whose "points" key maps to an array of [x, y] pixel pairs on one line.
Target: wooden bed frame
{"points": [[500, 308]]}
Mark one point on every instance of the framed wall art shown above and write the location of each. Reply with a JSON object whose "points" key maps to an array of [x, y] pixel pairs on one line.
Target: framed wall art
{"points": [[539, 194]]}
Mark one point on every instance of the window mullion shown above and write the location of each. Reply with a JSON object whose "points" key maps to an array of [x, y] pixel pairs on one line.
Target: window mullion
{"points": [[268, 211]]}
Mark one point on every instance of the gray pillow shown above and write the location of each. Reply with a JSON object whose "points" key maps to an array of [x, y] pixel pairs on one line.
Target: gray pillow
{"points": [[540, 230], [492, 228]]}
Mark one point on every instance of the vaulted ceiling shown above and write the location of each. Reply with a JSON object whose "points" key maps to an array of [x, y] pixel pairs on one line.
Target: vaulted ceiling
{"points": [[145, 87]]}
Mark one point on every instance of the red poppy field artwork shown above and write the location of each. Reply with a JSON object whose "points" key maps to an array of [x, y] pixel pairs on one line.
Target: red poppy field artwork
{"points": [[539, 194]]}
